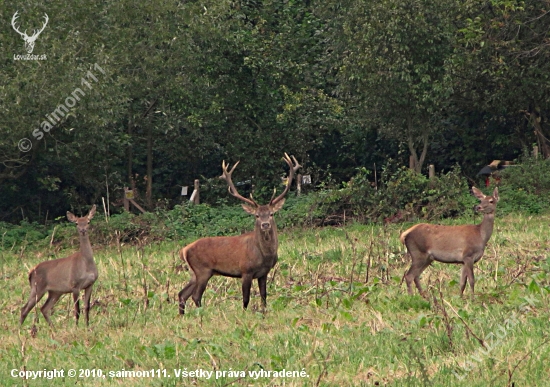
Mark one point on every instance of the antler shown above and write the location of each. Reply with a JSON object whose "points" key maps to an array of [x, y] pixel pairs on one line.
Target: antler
{"points": [[293, 169], [14, 27], [24, 34], [232, 190], [44, 26]]}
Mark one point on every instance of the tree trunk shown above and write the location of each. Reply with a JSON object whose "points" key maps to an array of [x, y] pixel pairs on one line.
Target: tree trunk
{"points": [[542, 141], [130, 151], [149, 191], [418, 162], [149, 188]]}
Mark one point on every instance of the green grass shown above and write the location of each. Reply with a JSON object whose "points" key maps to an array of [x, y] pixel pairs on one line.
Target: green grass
{"points": [[336, 310]]}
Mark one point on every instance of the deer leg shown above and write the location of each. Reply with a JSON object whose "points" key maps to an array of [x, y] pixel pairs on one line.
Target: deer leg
{"points": [[76, 301], [185, 294], [36, 295], [409, 277], [247, 284], [262, 284], [87, 297], [48, 305], [418, 265], [200, 287], [467, 275]]}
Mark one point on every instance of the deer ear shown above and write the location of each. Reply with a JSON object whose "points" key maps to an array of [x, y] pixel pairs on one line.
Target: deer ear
{"points": [[277, 206], [477, 193], [71, 217], [248, 209], [91, 213], [495, 194]]}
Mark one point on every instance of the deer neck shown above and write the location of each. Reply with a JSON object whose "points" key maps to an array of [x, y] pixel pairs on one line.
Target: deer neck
{"points": [[86, 248], [268, 241], [486, 227]]}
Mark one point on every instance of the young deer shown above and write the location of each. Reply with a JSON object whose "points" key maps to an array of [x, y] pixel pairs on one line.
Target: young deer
{"points": [[65, 275], [450, 244], [248, 256]]}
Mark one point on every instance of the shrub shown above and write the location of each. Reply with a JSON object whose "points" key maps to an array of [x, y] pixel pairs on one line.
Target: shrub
{"points": [[525, 187], [401, 194], [12, 235]]}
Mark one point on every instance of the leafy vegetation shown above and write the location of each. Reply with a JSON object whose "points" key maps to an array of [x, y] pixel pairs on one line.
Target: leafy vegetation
{"points": [[342, 86], [400, 195], [526, 186]]}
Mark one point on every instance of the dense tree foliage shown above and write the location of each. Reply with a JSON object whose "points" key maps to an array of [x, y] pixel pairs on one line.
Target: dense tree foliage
{"points": [[155, 95]]}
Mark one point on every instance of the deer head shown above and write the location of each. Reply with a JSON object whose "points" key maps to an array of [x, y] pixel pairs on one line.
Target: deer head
{"points": [[487, 204], [29, 40], [263, 213], [82, 223]]}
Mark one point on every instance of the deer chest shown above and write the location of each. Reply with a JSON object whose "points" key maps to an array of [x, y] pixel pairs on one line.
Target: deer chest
{"points": [[85, 277]]}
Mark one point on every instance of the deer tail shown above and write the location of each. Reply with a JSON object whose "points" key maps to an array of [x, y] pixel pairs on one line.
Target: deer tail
{"points": [[403, 236], [32, 272], [184, 254]]}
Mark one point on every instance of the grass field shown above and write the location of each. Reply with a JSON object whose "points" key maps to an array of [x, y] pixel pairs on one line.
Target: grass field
{"points": [[337, 315]]}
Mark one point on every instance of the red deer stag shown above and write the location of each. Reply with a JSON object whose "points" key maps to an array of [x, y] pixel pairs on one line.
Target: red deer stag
{"points": [[248, 256], [65, 275], [463, 244]]}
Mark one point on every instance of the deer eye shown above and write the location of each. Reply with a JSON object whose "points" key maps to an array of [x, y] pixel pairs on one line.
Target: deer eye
{"points": [[490, 201], [257, 216]]}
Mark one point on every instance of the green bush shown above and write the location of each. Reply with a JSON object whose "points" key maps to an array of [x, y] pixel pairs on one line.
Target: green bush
{"points": [[525, 187], [25, 233], [194, 221], [400, 195], [413, 195]]}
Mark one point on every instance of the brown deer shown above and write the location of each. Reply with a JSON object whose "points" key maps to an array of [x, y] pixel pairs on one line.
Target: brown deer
{"points": [[249, 256], [65, 275], [463, 244]]}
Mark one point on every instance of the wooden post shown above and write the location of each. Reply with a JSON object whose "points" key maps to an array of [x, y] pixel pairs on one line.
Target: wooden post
{"points": [[196, 198], [298, 184], [137, 205], [535, 152], [375, 178], [129, 198], [431, 171]]}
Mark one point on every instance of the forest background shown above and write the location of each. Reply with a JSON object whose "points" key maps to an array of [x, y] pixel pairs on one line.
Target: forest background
{"points": [[353, 89]]}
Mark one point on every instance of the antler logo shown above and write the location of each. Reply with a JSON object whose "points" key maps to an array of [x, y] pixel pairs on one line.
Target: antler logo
{"points": [[29, 40]]}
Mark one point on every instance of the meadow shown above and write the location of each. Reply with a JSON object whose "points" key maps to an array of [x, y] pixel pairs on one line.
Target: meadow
{"points": [[338, 315]]}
